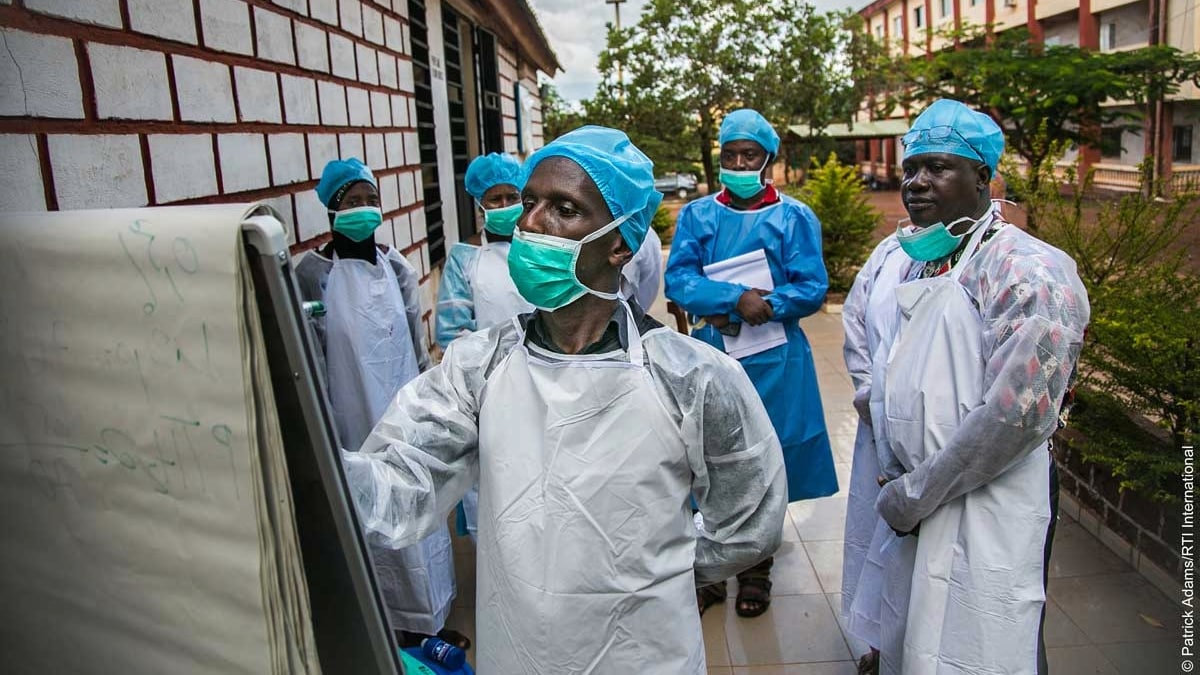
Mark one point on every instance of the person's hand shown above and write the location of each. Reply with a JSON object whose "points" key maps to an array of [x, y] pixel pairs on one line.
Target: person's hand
{"points": [[717, 321], [862, 404], [890, 504], [753, 309]]}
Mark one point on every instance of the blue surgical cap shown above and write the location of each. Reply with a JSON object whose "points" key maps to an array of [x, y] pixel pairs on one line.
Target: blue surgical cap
{"points": [[624, 175], [340, 173], [967, 133], [487, 171], [749, 125]]}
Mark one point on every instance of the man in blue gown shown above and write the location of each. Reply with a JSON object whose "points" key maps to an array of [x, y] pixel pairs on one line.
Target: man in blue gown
{"points": [[748, 215]]}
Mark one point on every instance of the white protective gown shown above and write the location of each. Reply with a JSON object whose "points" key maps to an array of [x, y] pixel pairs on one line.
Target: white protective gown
{"points": [[642, 277], [588, 558], [369, 354], [868, 319], [964, 405]]}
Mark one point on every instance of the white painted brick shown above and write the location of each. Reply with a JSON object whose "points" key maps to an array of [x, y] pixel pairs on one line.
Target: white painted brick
{"points": [[372, 22], [389, 192], [386, 4], [420, 183], [419, 232], [322, 149], [257, 95], [368, 64], [510, 125], [387, 70], [408, 192], [182, 166], [414, 259], [226, 26], [169, 19], [404, 77], [324, 11], [351, 145], [299, 100], [402, 228], [297, 6], [399, 110], [341, 55], [392, 35], [373, 146], [283, 205], [312, 47], [508, 107], [288, 161], [510, 145], [39, 76], [412, 148], [312, 218], [384, 235], [406, 32], [97, 171], [381, 109], [21, 174], [427, 303], [412, 111], [360, 106], [243, 162], [351, 16], [394, 143], [400, 7], [333, 104], [130, 83], [99, 12], [274, 34], [204, 90]]}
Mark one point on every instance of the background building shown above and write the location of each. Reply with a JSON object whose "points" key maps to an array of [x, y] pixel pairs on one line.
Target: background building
{"points": [[128, 103], [1106, 25]]}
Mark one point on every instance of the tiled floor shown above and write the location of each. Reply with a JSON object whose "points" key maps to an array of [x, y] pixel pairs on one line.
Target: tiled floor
{"points": [[1102, 617]]}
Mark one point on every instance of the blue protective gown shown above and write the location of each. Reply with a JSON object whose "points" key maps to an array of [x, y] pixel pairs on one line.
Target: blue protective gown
{"points": [[785, 377]]}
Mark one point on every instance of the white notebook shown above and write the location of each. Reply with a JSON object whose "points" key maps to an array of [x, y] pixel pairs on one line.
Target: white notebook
{"points": [[749, 269]]}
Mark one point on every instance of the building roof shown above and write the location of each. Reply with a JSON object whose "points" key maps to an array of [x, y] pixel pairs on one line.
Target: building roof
{"points": [[522, 24], [872, 129]]}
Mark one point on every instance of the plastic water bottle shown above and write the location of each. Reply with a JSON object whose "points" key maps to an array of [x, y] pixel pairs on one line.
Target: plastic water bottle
{"points": [[443, 653]]}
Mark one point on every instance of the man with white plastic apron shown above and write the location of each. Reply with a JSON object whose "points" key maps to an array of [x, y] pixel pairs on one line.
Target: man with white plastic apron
{"points": [[964, 394], [591, 429]]}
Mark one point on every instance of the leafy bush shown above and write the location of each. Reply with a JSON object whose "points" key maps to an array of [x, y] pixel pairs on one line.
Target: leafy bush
{"points": [[1143, 347], [663, 224], [1139, 460], [836, 195]]}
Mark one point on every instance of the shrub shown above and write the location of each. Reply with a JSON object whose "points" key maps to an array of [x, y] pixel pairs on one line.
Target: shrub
{"points": [[1143, 345], [663, 224], [835, 193]]}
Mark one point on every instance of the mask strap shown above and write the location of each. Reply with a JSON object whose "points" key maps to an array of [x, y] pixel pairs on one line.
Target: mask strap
{"points": [[593, 237]]}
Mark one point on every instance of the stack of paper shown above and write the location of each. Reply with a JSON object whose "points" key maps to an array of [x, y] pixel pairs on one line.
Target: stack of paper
{"points": [[750, 270]]}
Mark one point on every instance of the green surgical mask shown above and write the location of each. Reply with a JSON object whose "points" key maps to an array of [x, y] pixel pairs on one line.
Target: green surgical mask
{"points": [[930, 243], [743, 184], [502, 221], [358, 224], [543, 267]]}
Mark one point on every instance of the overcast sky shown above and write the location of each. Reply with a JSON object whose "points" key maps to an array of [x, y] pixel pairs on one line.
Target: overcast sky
{"points": [[576, 30]]}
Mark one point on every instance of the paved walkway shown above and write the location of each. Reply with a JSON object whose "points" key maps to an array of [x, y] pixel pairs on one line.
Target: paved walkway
{"points": [[1102, 616]]}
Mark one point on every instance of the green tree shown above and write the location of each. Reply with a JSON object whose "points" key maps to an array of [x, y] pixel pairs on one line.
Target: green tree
{"points": [[686, 63], [558, 116], [835, 193], [1041, 95]]}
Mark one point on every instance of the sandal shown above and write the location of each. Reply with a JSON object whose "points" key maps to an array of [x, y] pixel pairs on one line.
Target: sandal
{"points": [[869, 663], [754, 597], [407, 639], [710, 595], [455, 638]]}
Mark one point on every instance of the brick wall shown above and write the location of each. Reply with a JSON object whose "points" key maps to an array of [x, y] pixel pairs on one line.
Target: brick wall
{"points": [[125, 103]]}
